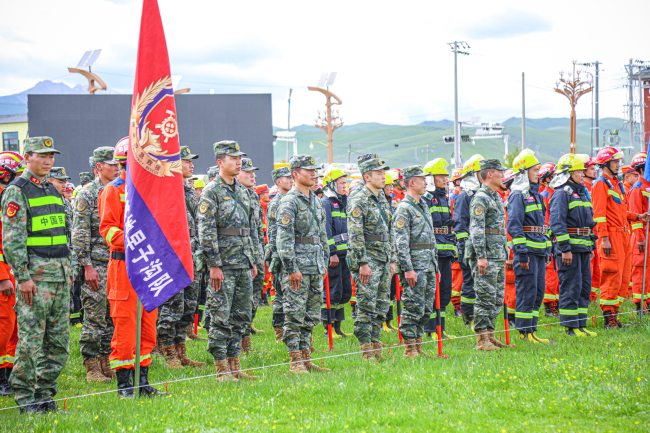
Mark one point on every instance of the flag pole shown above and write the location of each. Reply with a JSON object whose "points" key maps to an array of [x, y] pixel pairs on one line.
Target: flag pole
{"points": [[138, 337], [645, 267]]}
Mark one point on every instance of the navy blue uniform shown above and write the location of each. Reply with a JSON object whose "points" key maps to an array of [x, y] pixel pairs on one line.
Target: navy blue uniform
{"points": [[461, 227], [572, 219], [526, 227], [336, 226], [443, 227]]}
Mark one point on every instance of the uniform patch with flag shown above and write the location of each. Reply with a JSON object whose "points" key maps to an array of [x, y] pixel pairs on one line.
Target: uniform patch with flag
{"points": [[158, 254]]}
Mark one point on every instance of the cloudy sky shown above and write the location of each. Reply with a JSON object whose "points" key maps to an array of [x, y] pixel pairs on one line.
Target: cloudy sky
{"points": [[392, 58]]}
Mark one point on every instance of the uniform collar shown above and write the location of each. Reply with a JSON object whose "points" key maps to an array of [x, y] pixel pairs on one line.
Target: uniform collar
{"points": [[34, 179]]}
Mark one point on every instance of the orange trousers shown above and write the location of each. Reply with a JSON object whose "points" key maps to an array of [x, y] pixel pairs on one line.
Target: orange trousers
{"points": [[595, 276], [615, 270], [8, 330], [456, 282], [637, 272], [510, 293], [552, 292], [123, 302]]}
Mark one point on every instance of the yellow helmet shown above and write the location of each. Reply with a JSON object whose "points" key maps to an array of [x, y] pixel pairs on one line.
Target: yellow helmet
{"points": [[199, 183], [572, 162], [332, 173], [525, 160], [437, 166], [473, 164], [389, 178]]}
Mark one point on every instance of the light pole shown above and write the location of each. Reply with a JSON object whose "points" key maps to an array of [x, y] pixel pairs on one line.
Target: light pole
{"points": [[456, 48], [572, 88]]}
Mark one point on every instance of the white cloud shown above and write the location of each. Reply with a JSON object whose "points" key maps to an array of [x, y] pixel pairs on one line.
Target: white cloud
{"points": [[392, 59]]}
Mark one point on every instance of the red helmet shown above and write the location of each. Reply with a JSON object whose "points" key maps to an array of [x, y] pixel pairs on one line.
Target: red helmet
{"points": [[457, 174], [11, 164], [638, 160], [606, 154], [121, 149], [590, 162], [547, 170], [508, 176]]}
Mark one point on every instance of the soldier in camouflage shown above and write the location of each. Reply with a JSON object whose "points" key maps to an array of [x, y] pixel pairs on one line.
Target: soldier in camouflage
{"points": [[34, 229], [247, 178], [228, 241], [212, 173], [93, 254], [85, 178], [283, 181], [371, 256], [177, 312], [486, 253], [415, 244], [302, 248]]}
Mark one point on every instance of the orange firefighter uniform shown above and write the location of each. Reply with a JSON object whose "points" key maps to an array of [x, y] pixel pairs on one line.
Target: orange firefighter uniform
{"points": [[638, 204], [121, 295], [8, 324]]}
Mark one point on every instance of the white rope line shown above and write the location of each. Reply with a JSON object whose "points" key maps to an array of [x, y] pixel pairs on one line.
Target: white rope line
{"points": [[322, 358]]}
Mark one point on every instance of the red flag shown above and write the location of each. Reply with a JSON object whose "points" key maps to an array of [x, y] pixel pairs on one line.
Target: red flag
{"points": [[158, 254]]}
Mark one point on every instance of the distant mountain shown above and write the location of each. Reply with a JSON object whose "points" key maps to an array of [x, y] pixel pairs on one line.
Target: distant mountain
{"points": [[17, 103]]}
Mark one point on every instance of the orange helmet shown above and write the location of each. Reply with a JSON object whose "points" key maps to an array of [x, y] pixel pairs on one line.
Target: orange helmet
{"points": [[11, 164], [547, 170], [638, 160], [121, 149], [457, 174], [606, 154]]}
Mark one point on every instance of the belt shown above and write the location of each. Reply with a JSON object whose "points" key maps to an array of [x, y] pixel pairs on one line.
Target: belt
{"points": [[501, 232], [535, 229], [343, 237], [308, 240], [422, 246], [232, 231], [441, 230], [580, 231], [118, 255], [377, 238]]}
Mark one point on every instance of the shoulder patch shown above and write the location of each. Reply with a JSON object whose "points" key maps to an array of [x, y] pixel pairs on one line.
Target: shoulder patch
{"points": [[400, 222], [479, 210], [286, 218], [82, 204], [12, 209], [203, 207], [356, 212]]}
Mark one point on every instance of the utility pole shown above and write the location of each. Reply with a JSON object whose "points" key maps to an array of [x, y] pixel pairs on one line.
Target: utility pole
{"points": [[572, 88], [456, 48], [289, 113], [332, 121], [630, 99], [523, 111], [596, 103]]}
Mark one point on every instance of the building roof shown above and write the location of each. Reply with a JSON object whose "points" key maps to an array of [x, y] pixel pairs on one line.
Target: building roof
{"points": [[13, 118]]}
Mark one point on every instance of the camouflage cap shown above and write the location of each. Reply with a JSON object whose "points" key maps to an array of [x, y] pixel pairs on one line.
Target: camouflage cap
{"points": [[85, 177], [58, 173], [413, 171], [280, 172], [213, 171], [39, 145], [247, 165], [104, 154], [227, 147], [493, 164], [303, 161], [366, 157], [372, 164], [186, 154]]}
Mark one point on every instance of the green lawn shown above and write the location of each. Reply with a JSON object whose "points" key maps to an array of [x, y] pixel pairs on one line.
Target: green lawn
{"points": [[575, 385]]}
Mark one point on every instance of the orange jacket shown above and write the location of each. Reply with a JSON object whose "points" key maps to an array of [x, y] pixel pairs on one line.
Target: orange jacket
{"points": [[5, 269], [638, 204], [610, 210], [111, 213]]}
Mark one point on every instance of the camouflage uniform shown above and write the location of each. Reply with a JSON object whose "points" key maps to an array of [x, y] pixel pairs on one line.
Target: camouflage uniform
{"points": [[271, 254], [258, 281], [91, 250], [415, 244], [487, 239], [302, 247], [177, 312], [369, 222], [85, 177], [32, 231], [228, 241]]}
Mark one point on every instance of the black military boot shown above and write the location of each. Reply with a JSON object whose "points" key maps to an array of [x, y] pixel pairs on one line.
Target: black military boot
{"points": [[48, 406], [5, 388], [146, 389], [124, 383], [338, 330]]}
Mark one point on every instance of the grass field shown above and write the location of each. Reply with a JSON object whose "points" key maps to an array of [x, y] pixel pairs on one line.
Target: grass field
{"points": [[598, 384]]}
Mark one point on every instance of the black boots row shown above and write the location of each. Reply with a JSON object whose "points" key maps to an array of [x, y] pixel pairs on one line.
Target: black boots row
{"points": [[125, 386]]}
